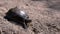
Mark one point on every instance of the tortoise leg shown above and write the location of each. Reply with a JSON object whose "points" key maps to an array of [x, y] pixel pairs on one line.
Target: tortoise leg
{"points": [[25, 25]]}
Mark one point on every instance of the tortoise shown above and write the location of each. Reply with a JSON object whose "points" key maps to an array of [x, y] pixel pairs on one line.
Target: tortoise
{"points": [[18, 15]]}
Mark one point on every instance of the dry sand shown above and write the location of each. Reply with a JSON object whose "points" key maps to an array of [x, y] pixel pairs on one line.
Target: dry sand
{"points": [[45, 15]]}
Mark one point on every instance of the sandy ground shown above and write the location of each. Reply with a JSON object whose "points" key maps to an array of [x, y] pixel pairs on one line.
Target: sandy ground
{"points": [[45, 15]]}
